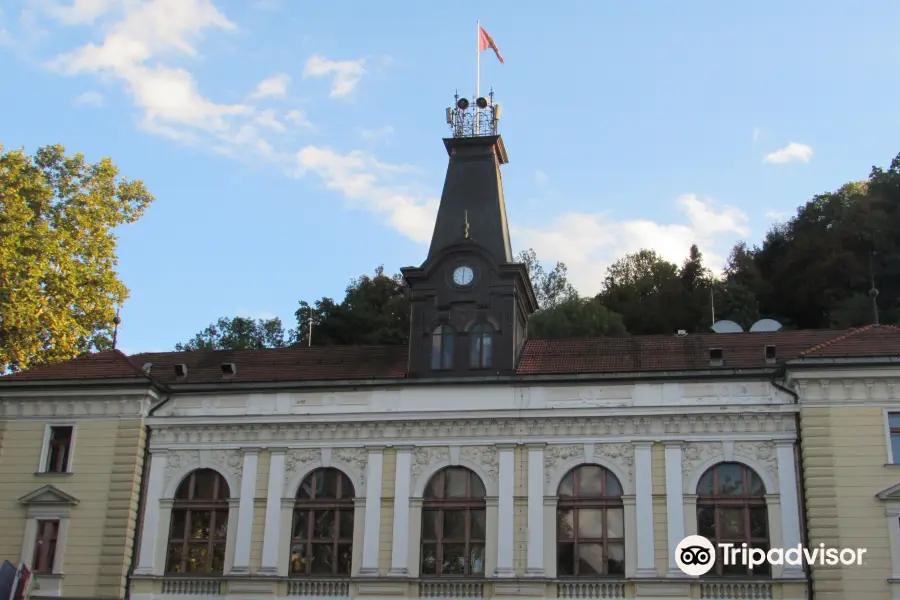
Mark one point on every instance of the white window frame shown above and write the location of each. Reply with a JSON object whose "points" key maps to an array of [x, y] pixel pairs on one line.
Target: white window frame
{"points": [[45, 447], [51, 583]]}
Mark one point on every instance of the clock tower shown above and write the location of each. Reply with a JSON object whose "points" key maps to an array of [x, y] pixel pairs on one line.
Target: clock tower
{"points": [[470, 302]]}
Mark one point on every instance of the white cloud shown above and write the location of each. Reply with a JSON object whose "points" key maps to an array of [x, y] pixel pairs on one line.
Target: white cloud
{"points": [[774, 215], [89, 99], [346, 73], [756, 133], [540, 177], [272, 87], [80, 12], [375, 135], [793, 152], [369, 184], [298, 118], [589, 243]]}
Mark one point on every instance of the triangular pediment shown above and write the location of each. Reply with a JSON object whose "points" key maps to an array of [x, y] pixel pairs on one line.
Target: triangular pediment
{"points": [[890, 494], [48, 496]]}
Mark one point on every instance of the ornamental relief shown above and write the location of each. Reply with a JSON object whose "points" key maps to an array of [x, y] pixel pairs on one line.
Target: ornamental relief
{"points": [[182, 462], [356, 459], [485, 457], [761, 452], [694, 453], [295, 459], [559, 454], [622, 455], [424, 457]]}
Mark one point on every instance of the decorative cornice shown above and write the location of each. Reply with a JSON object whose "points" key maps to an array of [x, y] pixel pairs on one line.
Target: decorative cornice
{"points": [[745, 425], [121, 406]]}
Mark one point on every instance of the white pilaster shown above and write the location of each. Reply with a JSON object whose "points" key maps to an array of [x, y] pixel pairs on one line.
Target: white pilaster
{"points": [[674, 504], [272, 532], [790, 505], [400, 537], [535, 561], [373, 511], [151, 526], [643, 502], [506, 511], [245, 512]]}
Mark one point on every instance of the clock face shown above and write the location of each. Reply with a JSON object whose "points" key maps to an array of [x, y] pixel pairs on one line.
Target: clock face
{"points": [[463, 275]]}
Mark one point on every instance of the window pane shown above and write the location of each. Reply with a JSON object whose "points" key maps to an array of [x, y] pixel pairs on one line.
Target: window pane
{"points": [[205, 484], [476, 487], [454, 562], [323, 558], [615, 523], [429, 559], [345, 489], [435, 487], [447, 359], [346, 523], [430, 524], [758, 523], [436, 349], [756, 485], [565, 559], [476, 560], [455, 483], [199, 524], [173, 564], [217, 562], [221, 525], [478, 529], [455, 524], [894, 420], [566, 486], [705, 486], [475, 351], [763, 569], [486, 346], [565, 524], [615, 561], [323, 524], [706, 521], [731, 522], [198, 559], [590, 523], [895, 448], [176, 528], [326, 483], [731, 568], [298, 558], [590, 481], [590, 559], [304, 492], [345, 558], [613, 487], [301, 524], [731, 480]]}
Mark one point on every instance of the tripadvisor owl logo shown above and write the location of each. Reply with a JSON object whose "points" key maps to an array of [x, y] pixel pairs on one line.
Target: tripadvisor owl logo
{"points": [[695, 555]]}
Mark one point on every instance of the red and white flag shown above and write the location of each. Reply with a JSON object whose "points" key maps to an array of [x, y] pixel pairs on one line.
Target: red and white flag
{"points": [[486, 41]]}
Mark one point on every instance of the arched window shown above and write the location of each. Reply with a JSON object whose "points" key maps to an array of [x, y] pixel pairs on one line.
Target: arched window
{"points": [[480, 354], [199, 524], [731, 509], [453, 524], [442, 347], [590, 524], [322, 534]]}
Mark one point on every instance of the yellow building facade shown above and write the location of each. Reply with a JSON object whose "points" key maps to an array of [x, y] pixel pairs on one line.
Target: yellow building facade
{"points": [[72, 445]]}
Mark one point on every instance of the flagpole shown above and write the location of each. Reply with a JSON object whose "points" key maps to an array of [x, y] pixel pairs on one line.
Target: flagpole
{"points": [[477, 69]]}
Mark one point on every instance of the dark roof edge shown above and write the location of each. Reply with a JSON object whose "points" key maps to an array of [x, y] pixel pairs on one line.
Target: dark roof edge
{"points": [[14, 384], [847, 361], [484, 380]]}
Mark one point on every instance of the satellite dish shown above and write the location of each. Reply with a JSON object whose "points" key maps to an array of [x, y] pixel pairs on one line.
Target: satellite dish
{"points": [[766, 325], [727, 326], [481, 103], [462, 104]]}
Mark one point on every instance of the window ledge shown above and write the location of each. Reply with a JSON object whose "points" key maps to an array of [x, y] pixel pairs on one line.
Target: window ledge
{"points": [[49, 575], [53, 474]]}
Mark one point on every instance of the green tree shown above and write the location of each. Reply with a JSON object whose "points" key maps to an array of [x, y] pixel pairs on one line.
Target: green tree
{"points": [[550, 288], [58, 285], [375, 310], [575, 318], [237, 333]]}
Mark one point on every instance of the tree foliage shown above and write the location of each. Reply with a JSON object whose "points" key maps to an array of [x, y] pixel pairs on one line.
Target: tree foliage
{"points": [[238, 333], [58, 285], [550, 288], [575, 318]]}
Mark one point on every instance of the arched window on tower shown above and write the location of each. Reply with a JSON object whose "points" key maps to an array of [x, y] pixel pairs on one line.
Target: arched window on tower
{"points": [[442, 347], [590, 524], [731, 509], [322, 533], [199, 525], [481, 338], [453, 524]]}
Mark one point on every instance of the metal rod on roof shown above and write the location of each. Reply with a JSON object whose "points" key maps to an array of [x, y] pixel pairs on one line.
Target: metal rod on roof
{"points": [[873, 293], [116, 322], [712, 304], [309, 337]]}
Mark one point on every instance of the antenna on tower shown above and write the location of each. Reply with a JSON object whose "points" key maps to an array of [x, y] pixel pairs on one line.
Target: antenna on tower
{"points": [[116, 322], [466, 217], [873, 292]]}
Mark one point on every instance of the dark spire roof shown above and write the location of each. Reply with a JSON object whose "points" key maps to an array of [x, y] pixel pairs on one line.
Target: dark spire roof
{"points": [[473, 192]]}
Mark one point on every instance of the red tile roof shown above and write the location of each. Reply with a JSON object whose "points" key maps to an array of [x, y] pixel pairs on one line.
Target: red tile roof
{"points": [[872, 340], [626, 354]]}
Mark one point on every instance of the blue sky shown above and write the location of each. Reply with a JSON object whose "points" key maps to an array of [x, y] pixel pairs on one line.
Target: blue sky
{"points": [[292, 145]]}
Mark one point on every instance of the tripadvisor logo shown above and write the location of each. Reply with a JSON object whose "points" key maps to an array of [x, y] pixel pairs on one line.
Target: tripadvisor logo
{"points": [[695, 555]]}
